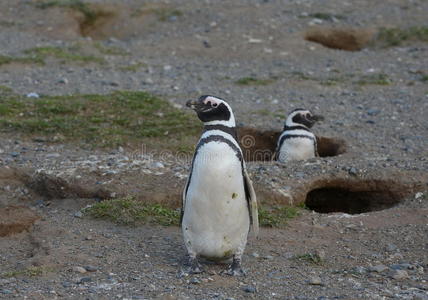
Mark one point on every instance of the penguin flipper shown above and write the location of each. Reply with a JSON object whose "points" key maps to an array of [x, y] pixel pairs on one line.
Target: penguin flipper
{"points": [[183, 199], [252, 202]]}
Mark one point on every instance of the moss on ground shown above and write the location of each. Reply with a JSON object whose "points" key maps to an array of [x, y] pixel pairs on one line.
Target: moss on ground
{"points": [[28, 272], [67, 55], [117, 119], [391, 37], [277, 216], [129, 211]]}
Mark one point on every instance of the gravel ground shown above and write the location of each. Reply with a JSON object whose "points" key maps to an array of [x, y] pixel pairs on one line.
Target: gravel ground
{"points": [[180, 50]]}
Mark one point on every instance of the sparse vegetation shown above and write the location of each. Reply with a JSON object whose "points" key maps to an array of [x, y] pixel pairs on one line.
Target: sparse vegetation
{"points": [[110, 50], [29, 272], [165, 14], [374, 79], [100, 120], [311, 258], [128, 211], [21, 60], [391, 37], [254, 81], [133, 67], [40, 53], [325, 16], [277, 216]]}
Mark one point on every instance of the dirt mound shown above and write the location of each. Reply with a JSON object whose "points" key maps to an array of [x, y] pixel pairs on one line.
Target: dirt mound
{"points": [[350, 39], [15, 219]]}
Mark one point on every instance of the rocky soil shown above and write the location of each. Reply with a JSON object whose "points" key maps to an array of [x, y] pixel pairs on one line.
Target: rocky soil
{"points": [[365, 234]]}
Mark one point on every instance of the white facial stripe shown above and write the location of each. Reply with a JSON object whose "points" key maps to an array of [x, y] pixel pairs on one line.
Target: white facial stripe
{"points": [[213, 100], [289, 121], [228, 123]]}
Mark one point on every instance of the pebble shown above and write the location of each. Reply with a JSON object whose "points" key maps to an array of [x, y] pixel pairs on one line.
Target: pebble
{"points": [[249, 289], [195, 280], [352, 171], [78, 214], [79, 270], [14, 154], [360, 270], [315, 280], [90, 268], [378, 268], [391, 247], [399, 275], [84, 280], [63, 81], [6, 292], [373, 111], [33, 95]]}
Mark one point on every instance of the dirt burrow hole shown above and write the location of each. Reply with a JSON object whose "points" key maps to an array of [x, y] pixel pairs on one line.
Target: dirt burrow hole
{"points": [[259, 145], [355, 196]]}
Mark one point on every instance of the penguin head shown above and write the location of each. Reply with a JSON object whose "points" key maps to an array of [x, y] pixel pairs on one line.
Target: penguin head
{"points": [[213, 111], [303, 117]]}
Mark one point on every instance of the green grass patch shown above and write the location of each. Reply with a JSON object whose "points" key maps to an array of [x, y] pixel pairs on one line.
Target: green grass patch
{"points": [[101, 120], [70, 54], [29, 272], [374, 79], [254, 81], [310, 258], [133, 67], [391, 37], [4, 60], [277, 216], [128, 211], [110, 50]]}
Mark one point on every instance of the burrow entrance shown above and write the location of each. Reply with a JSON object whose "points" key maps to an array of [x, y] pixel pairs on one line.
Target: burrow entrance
{"points": [[355, 197], [259, 145]]}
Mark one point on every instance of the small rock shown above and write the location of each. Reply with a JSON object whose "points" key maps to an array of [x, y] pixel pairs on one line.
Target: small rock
{"points": [[84, 280], [391, 248], [399, 275], [249, 289], [352, 171], [373, 111], [33, 95], [90, 268], [78, 214], [6, 292], [360, 270], [268, 257], [378, 268], [79, 270], [63, 81], [66, 284], [194, 280], [315, 280], [255, 254], [14, 154]]}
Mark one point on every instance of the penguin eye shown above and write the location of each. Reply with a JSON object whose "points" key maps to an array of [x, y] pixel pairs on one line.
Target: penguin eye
{"points": [[214, 105]]}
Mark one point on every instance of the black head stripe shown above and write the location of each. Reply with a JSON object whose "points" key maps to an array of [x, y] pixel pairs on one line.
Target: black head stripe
{"points": [[220, 113], [291, 136], [226, 129], [300, 119], [289, 128]]}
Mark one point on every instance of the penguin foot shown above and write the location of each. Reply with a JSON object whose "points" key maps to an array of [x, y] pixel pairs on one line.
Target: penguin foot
{"points": [[235, 268], [195, 266]]}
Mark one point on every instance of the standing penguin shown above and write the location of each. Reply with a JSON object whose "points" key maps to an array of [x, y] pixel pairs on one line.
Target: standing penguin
{"points": [[219, 202], [297, 142]]}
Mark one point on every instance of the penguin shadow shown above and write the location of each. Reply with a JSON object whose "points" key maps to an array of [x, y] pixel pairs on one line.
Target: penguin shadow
{"points": [[260, 145]]}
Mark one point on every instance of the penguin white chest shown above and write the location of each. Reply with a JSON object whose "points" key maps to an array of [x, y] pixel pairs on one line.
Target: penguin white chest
{"points": [[216, 218], [297, 148]]}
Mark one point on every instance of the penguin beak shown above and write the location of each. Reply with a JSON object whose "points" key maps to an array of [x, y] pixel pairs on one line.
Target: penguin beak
{"points": [[192, 104], [316, 118]]}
